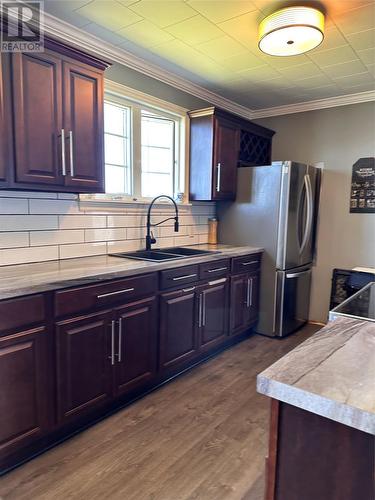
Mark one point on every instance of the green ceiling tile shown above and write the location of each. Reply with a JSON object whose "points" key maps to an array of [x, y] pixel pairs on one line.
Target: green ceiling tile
{"points": [[221, 48], [145, 34], [222, 10], [109, 14], [163, 12], [195, 30], [362, 40], [333, 56]]}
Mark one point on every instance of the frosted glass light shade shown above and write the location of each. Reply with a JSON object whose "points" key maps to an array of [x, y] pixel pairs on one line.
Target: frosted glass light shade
{"points": [[291, 31]]}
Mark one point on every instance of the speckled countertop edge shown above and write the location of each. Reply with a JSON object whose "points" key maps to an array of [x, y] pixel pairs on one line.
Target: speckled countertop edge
{"points": [[309, 384], [28, 279]]}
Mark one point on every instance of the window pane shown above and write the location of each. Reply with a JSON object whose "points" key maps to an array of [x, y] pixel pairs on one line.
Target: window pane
{"points": [[115, 119], [157, 132], [116, 179], [157, 160], [115, 151], [155, 184]]}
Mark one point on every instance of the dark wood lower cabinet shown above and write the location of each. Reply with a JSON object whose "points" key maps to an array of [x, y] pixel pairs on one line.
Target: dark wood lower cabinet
{"points": [[136, 346], [25, 397], [312, 457], [178, 327], [244, 302], [83, 364], [214, 309], [112, 342]]}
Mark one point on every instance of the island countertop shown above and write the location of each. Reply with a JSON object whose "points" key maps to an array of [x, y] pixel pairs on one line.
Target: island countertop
{"points": [[27, 279], [332, 374]]}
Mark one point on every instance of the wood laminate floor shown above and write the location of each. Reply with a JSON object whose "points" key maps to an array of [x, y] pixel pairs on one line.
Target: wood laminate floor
{"points": [[201, 437]]}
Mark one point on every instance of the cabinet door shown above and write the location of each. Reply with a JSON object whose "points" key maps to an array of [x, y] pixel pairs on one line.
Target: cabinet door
{"points": [[5, 120], [225, 160], [37, 118], [237, 303], [136, 345], [84, 369], [178, 328], [214, 311], [25, 411], [252, 299], [83, 122]]}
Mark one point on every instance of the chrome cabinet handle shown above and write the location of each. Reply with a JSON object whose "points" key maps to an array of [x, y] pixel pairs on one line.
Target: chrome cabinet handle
{"points": [[177, 278], [200, 312], [185, 290], [249, 299], [204, 310], [63, 159], [119, 355], [217, 282], [250, 262], [71, 154], [218, 177], [110, 294], [112, 356], [217, 269]]}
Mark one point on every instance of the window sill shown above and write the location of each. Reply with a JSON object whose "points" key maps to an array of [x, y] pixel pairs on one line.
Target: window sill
{"points": [[95, 201]]}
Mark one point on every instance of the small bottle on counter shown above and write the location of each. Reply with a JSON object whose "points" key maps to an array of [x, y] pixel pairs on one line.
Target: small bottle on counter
{"points": [[212, 231]]}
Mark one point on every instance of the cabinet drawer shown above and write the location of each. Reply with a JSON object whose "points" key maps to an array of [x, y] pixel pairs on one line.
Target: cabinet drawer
{"points": [[180, 276], [22, 311], [247, 263], [97, 296], [214, 269]]}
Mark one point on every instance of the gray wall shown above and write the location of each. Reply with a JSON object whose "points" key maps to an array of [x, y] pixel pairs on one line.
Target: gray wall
{"points": [[338, 137], [148, 85]]}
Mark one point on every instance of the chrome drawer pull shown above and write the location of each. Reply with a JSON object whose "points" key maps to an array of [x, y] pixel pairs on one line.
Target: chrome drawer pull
{"points": [[200, 312], [110, 294], [184, 277], [71, 154], [218, 177], [217, 269], [217, 282], [204, 310], [63, 161], [251, 292], [249, 263], [188, 289]]}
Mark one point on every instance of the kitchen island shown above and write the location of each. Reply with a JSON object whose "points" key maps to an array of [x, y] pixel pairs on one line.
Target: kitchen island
{"points": [[322, 433]]}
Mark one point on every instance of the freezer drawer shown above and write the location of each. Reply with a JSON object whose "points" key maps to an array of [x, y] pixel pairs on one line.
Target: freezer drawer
{"points": [[293, 299]]}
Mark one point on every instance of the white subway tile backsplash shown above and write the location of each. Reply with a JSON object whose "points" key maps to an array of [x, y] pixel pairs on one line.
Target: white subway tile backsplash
{"points": [[13, 206], [82, 221], [82, 250], [105, 234], [14, 239], [28, 222], [61, 237], [27, 255], [54, 207], [37, 227]]}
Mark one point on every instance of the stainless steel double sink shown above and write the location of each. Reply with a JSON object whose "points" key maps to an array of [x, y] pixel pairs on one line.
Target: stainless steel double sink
{"points": [[164, 254]]}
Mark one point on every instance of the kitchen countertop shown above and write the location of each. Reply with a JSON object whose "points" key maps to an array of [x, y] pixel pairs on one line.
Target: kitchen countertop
{"points": [[27, 279], [332, 374]]}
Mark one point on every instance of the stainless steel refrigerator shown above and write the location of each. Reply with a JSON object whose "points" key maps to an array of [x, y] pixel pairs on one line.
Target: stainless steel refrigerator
{"points": [[276, 208]]}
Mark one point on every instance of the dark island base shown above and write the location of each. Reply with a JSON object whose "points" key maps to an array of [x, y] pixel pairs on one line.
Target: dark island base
{"points": [[314, 458]]}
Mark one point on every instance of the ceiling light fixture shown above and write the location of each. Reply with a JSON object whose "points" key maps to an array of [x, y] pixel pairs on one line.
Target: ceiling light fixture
{"points": [[291, 31]]}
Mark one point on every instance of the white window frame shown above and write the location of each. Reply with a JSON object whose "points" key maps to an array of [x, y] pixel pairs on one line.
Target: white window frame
{"points": [[139, 101]]}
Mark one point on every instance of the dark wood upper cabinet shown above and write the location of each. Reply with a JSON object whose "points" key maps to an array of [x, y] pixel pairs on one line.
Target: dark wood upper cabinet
{"points": [[178, 328], [84, 127], [214, 309], [5, 120], [37, 118], [25, 412], [57, 108], [219, 143], [135, 345], [84, 366]]}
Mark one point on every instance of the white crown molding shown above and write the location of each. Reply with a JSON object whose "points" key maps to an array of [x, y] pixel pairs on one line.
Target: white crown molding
{"points": [[330, 102], [85, 41]]}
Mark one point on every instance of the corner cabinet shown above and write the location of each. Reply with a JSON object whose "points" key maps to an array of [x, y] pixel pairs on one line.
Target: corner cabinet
{"points": [[219, 143], [57, 111]]}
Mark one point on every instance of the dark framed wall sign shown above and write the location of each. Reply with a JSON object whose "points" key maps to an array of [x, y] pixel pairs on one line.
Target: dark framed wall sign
{"points": [[362, 195]]}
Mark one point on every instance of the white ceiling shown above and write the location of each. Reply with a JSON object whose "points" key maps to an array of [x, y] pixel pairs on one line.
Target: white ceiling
{"points": [[213, 43]]}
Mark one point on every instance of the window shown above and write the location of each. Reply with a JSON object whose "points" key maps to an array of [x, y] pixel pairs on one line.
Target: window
{"points": [[143, 150]]}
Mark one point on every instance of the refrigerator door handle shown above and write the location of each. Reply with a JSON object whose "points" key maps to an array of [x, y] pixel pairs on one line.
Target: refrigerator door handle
{"points": [[296, 275], [309, 216]]}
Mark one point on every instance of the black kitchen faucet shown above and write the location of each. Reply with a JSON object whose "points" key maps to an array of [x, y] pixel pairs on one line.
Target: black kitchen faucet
{"points": [[150, 239]]}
